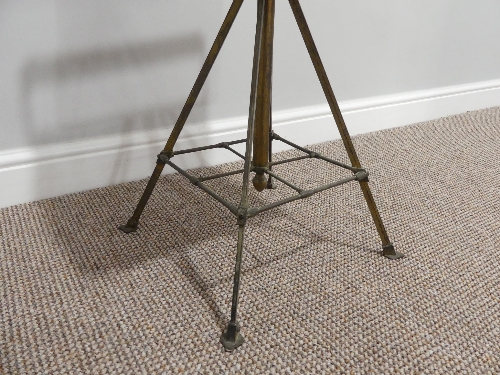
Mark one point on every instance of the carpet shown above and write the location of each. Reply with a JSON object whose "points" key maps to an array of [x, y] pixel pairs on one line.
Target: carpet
{"points": [[78, 296]]}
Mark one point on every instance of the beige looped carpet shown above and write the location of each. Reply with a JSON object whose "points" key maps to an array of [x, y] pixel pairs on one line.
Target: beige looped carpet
{"points": [[79, 297]]}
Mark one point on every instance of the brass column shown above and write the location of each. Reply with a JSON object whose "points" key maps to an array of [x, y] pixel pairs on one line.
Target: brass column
{"points": [[263, 105]]}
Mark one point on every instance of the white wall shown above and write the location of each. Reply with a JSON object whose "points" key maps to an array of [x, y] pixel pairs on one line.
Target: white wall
{"points": [[90, 89]]}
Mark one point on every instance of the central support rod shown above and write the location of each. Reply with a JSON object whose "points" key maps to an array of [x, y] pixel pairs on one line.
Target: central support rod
{"points": [[263, 105]]}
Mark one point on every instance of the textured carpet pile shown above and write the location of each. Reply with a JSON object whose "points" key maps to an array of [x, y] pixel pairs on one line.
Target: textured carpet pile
{"points": [[79, 297]]}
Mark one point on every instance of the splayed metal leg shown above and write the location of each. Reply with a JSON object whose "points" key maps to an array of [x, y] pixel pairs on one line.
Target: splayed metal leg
{"points": [[388, 249], [232, 338], [167, 152]]}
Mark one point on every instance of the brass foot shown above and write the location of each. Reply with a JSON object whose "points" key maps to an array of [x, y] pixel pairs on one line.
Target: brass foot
{"points": [[389, 252], [130, 227], [232, 338]]}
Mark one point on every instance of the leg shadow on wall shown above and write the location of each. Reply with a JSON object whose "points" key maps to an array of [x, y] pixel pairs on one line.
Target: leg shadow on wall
{"points": [[110, 99]]}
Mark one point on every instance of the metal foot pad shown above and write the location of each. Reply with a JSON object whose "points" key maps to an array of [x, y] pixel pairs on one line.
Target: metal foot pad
{"points": [[128, 228], [389, 252], [232, 338]]}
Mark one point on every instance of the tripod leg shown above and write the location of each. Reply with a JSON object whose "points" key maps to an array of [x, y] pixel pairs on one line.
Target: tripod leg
{"points": [[132, 223], [231, 339], [270, 183], [200, 81], [388, 248]]}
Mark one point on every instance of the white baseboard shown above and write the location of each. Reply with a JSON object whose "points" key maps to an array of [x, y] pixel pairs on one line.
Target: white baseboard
{"points": [[36, 173]]}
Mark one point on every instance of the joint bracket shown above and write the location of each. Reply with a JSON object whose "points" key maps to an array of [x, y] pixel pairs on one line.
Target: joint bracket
{"points": [[242, 215], [164, 156], [362, 175]]}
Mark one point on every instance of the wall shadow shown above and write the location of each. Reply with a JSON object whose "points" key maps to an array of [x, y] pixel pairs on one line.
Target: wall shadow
{"points": [[53, 76], [75, 70]]}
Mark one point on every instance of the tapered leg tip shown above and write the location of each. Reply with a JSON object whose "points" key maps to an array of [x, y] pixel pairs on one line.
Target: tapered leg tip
{"points": [[230, 344], [396, 255], [390, 253], [128, 228], [232, 338]]}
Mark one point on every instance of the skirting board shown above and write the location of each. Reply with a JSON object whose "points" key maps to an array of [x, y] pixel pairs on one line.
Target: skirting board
{"points": [[36, 173]]}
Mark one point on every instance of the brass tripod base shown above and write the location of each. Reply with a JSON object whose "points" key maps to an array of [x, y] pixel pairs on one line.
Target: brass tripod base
{"points": [[232, 338], [259, 137], [389, 252]]}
